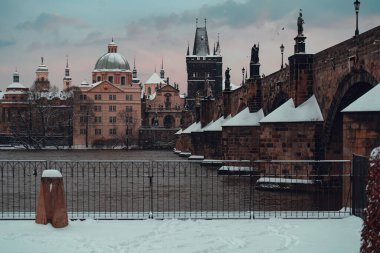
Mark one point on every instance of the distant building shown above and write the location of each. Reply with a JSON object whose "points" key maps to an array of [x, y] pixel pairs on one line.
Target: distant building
{"points": [[107, 112], [201, 66]]}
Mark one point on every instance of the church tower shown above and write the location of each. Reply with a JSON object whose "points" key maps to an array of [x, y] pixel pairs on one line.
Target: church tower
{"points": [[202, 66], [42, 83], [67, 77]]}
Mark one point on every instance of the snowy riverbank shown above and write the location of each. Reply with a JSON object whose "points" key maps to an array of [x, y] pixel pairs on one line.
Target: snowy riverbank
{"points": [[261, 236]]}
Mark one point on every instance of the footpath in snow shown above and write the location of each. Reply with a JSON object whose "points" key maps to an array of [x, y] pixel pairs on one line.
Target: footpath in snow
{"points": [[177, 236]]}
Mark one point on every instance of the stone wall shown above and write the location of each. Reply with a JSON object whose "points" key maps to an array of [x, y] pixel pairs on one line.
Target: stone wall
{"points": [[241, 143], [212, 144], [361, 133], [157, 138], [294, 141]]}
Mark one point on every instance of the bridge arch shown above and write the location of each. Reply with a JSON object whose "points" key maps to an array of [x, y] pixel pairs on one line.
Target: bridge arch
{"points": [[350, 88]]}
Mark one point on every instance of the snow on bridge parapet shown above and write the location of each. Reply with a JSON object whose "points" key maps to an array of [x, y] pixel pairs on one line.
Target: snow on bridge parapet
{"points": [[369, 102], [309, 111], [245, 118]]}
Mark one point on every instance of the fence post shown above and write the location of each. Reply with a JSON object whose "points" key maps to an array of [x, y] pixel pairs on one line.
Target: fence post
{"points": [[151, 191], [251, 197]]}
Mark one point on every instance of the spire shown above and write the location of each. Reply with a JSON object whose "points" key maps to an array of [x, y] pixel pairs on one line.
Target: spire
{"points": [[42, 60], [214, 48], [196, 23], [162, 71], [134, 72], [112, 47], [201, 46], [188, 48], [217, 50], [67, 70], [205, 22]]}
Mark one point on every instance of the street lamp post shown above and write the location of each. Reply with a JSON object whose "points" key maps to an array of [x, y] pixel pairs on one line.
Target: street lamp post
{"points": [[357, 6], [282, 55], [242, 71]]}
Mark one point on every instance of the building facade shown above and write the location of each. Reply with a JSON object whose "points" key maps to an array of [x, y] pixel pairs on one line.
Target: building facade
{"points": [[107, 113]]}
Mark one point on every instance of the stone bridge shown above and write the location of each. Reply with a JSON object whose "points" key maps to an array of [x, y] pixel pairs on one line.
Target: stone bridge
{"points": [[337, 76]]}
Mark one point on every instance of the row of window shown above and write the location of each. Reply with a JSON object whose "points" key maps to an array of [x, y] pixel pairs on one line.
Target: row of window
{"points": [[128, 97], [111, 108], [111, 119], [110, 79], [111, 131]]}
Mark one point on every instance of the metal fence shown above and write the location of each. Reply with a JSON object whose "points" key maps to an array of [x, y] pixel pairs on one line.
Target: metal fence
{"points": [[359, 183], [181, 189]]}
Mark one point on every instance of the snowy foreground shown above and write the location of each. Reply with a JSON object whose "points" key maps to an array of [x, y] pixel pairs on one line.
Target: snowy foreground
{"points": [[264, 236]]}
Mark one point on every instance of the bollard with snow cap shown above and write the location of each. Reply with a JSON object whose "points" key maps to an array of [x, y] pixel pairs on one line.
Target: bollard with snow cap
{"points": [[51, 200]]}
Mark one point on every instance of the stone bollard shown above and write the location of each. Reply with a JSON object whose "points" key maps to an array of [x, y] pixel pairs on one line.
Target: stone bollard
{"points": [[51, 200]]}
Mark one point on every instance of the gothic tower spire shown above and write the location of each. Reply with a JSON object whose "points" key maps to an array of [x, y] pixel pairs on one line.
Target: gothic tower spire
{"points": [[67, 77], [162, 71]]}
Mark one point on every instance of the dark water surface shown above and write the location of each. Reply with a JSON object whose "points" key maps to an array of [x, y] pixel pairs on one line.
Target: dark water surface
{"points": [[87, 155]]}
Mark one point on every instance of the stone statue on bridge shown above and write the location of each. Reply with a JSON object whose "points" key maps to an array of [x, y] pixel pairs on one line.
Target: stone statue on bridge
{"points": [[255, 53], [300, 23], [227, 83]]}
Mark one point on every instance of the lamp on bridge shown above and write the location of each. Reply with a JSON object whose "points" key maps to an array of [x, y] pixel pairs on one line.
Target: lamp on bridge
{"points": [[242, 71], [282, 55], [357, 6]]}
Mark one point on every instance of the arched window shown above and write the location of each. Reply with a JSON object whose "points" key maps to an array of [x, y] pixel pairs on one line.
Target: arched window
{"points": [[168, 102], [123, 80], [110, 79], [168, 121]]}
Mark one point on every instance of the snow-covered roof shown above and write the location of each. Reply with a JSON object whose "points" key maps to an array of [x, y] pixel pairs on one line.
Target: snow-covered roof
{"points": [[217, 125], [246, 118], [1, 94], [155, 79], [179, 131], [15, 92], [203, 128], [369, 102], [16, 86], [307, 112], [84, 83], [192, 128], [182, 95]]}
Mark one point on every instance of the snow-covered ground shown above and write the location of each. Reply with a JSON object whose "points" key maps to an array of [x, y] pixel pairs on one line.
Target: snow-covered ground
{"points": [[149, 236]]}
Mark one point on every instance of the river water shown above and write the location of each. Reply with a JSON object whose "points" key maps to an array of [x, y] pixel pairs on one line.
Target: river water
{"points": [[87, 155], [141, 182]]}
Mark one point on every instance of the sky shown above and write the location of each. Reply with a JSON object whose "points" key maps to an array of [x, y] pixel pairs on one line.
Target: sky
{"points": [[151, 30]]}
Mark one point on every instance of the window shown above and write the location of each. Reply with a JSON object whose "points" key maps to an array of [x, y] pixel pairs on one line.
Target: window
{"points": [[128, 108], [82, 97], [112, 97], [98, 97], [112, 119], [128, 97], [112, 108], [98, 131], [83, 131], [112, 131], [98, 78], [98, 119], [110, 79], [123, 80], [128, 119], [83, 119], [149, 91], [83, 108], [97, 108]]}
